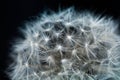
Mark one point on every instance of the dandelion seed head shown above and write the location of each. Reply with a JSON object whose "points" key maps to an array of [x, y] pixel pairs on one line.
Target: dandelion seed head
{"points": [[67, 46]]}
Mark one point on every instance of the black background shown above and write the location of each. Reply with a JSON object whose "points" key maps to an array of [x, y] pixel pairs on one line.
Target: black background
{"points": [[15, 12]]}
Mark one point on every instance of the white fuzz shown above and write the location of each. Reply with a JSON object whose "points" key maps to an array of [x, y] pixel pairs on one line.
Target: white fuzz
{"points": [[67, 46]]}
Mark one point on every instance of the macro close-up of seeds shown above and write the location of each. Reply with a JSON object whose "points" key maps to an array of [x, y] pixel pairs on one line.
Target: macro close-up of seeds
{"points": [[67, 45]]}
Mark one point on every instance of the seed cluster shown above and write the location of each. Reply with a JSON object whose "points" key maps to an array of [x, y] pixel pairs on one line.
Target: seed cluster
{"points": [[64, 46]]}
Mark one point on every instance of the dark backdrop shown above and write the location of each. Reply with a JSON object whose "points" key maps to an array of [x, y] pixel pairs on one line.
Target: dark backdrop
{"points": [[15, 12]]}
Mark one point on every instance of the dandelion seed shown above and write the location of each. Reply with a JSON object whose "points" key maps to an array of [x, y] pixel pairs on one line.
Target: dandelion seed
{"points": [[57, 34], [36, 35], [26, 64], [59, 47], [36, 44], [69, 37], [46, 39]]}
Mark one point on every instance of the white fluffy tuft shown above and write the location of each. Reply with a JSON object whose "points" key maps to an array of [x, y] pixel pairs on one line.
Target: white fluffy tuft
{"points": [[68, 46]]}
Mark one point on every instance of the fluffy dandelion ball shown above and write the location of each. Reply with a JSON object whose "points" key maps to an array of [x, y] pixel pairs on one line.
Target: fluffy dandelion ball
{"points": [[67, 45]]}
